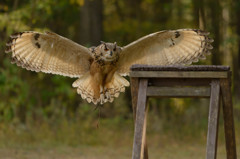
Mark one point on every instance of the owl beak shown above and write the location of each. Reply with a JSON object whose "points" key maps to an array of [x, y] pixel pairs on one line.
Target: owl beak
{"points": [[111, 53]]}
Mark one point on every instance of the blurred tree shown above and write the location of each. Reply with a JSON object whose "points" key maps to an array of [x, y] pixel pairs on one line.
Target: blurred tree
{"points": [[215, 12], [199, 13], [163, 8], [91, 17], [25, 95], [237, 56]]}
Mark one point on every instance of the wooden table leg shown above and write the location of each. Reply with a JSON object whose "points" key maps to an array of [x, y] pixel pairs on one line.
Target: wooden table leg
{"points": [[140, 118], [144, 139], [228, 119], [213, 119], [134, 92]]}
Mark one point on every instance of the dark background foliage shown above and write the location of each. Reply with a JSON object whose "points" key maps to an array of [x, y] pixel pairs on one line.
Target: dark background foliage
{"points": [[30, 100]]}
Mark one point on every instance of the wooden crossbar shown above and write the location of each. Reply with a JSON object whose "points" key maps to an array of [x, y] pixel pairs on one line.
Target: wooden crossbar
{"points": [[179, 92]]}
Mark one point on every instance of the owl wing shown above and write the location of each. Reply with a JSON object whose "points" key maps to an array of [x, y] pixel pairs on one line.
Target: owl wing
{"points": [[49, 53], [169, 47]]}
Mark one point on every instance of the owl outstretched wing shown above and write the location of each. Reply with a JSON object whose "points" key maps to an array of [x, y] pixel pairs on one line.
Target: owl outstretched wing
{"points": [[50, 53], [169, 47]]}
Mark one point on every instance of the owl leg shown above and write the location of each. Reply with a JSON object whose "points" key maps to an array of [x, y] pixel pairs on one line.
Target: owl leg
{"points": [[101, 94], [107, 94]]}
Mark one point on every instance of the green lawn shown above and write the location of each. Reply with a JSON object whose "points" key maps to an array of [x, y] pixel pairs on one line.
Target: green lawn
{"points": [[167, 150], [103, 143]]}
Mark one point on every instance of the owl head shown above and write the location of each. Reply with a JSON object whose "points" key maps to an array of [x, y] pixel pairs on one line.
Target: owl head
{"points": [[109, 51]]}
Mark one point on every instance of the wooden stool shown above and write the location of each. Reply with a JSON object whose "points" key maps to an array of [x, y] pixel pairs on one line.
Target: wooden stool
{"points": [[183, 81]]}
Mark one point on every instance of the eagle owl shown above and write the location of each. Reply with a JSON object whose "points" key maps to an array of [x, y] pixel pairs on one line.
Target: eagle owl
{"points": [[100, 69]]}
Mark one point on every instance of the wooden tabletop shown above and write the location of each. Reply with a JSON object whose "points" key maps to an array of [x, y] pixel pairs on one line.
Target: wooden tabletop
{"points": [[193, 71], [179, 68]]}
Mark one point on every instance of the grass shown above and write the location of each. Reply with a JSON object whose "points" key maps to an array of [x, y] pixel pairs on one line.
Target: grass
{"points": [[172, 137], [162, 149], [169, 151], [113, 139]]}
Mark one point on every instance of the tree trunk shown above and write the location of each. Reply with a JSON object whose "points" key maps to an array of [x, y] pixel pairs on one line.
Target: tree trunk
{"points": [[199, 14], [237, 59], [91, 22], [226, 34], [215, 14]]}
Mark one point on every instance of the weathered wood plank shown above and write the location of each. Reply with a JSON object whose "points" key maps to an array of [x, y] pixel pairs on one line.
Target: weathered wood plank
{"points": [[154, 91], [134, 93], [145, 155], [140, 117], [228, 119], [179, 74], [140, 67], [144, 148], [213, 119], [197, 83], [166, 82]]}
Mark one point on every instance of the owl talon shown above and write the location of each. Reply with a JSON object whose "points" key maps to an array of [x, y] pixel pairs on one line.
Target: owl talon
{"points": [[102, 97], [107, 95]]}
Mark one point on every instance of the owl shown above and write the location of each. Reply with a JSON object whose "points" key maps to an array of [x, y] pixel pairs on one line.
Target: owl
{"points": [[100, 69]]}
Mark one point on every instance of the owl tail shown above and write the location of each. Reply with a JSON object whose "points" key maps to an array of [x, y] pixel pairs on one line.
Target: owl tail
{"points": [[88, 89], [113, 88], [85, 88]]}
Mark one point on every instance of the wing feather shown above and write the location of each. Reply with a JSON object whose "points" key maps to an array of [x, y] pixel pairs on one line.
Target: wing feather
{"points": [[170, 47], [49, 53]]}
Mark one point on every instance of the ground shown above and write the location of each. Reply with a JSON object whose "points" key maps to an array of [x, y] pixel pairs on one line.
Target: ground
{"points": [[107, 140], [119, 147], [164, 151]]}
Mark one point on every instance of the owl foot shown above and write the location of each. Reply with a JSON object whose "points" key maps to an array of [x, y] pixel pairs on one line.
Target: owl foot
{"points": [[107, 94], [102, 98]]}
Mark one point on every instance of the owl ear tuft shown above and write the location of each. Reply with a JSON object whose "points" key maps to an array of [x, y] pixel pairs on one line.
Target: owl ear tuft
{"points": [[102, 42]]}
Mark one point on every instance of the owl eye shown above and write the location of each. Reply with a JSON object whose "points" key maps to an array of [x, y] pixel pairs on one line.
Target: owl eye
{"points": [[114, 49], [106, 49]]}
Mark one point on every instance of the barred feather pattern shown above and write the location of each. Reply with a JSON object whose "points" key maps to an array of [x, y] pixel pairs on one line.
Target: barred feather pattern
{"points": [[49, 53], [100, 69], [85, 87], [169, 47]]}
